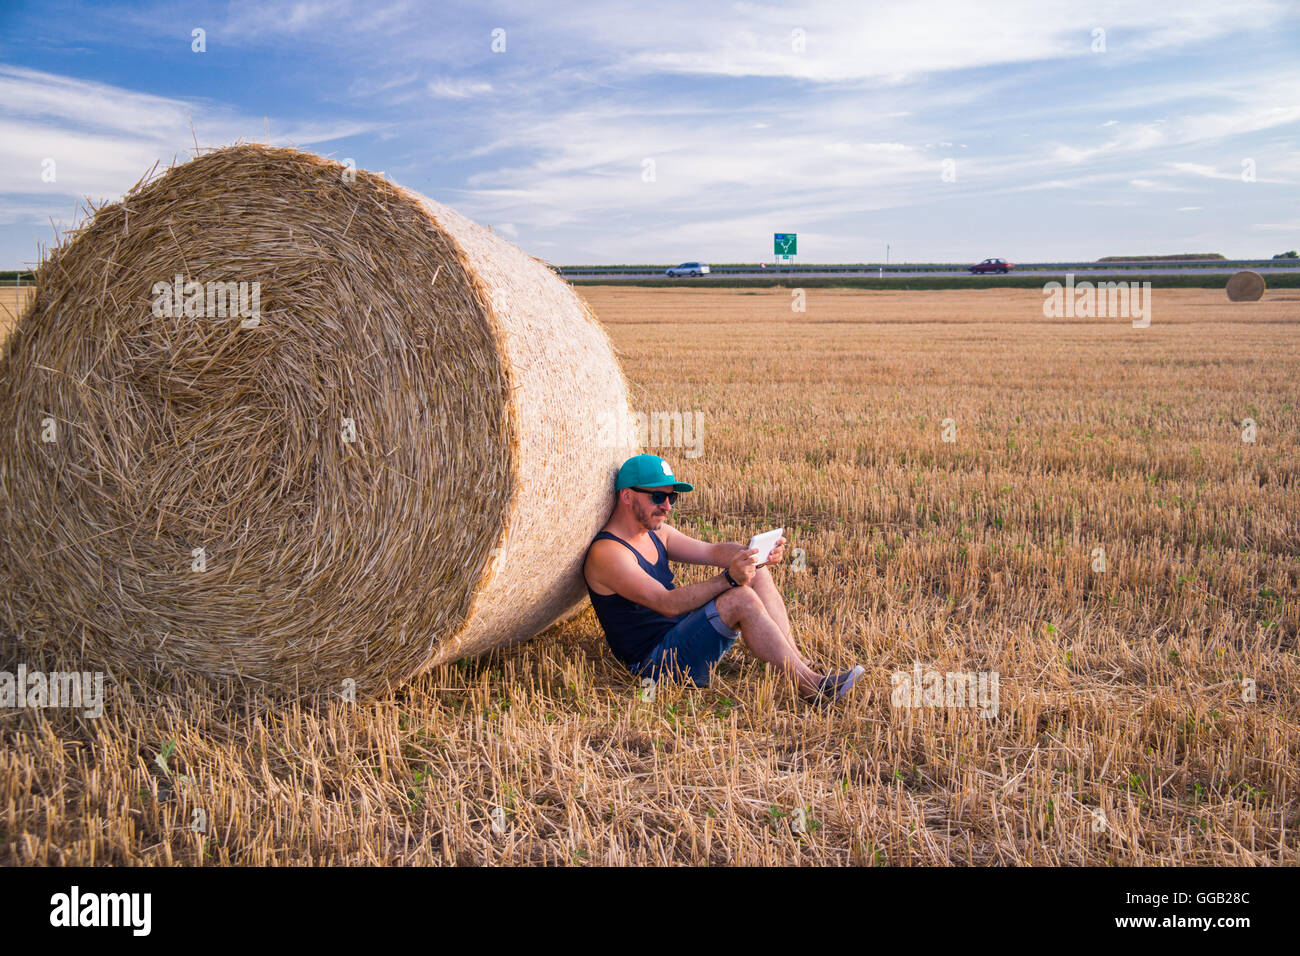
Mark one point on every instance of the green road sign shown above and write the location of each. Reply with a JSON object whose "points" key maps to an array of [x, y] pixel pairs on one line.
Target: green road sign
{"points": [[785, 243]]}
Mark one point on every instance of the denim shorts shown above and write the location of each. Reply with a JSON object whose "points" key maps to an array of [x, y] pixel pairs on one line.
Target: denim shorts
{"points": [[695, 642]]}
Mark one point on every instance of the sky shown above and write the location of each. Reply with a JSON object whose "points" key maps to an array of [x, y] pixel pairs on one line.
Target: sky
{"points": [[607, 133]]}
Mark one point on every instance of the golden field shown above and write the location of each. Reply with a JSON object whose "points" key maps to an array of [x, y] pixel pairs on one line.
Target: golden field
{"points": [[1147, 713], [12, 301]]}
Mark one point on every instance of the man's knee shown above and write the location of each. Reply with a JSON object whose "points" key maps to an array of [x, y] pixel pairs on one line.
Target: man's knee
{"points": [[737, 604]]}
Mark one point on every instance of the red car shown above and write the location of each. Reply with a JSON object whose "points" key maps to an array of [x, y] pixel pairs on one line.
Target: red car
{"points": [[993, 265]]}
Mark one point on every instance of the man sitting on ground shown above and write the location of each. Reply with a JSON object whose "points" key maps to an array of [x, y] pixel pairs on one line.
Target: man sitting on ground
{"points": [[652, 626]]}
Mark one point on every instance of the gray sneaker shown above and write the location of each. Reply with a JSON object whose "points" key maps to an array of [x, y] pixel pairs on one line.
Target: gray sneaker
{"points": [[834, 687]]}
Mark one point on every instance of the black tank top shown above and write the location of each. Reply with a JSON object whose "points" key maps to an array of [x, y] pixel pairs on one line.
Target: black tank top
{"points": [[632, 630]]}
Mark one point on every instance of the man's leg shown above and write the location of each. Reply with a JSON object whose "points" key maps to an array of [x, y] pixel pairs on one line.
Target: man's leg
{"points": [[770, 595], [742, 608]]}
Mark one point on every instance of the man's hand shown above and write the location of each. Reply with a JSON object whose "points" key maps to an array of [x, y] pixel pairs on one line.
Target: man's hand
{"points": [[742, 567], [777, 553]]}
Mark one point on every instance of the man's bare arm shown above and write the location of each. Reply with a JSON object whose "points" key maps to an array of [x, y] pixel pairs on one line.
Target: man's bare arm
{"points": [[682, 547], [724, 552]]}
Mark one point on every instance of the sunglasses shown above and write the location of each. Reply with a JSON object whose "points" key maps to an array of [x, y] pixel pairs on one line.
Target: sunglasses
{"points": [[659, 497]]}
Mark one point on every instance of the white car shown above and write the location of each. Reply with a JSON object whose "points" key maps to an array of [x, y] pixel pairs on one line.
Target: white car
{"points": [[688, 269]]}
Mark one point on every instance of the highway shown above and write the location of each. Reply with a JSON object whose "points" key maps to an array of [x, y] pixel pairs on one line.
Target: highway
{"points": [[896, 272]]}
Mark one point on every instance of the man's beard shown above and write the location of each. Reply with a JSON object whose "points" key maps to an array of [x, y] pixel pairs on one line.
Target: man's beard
{"points": [[646, 516]]}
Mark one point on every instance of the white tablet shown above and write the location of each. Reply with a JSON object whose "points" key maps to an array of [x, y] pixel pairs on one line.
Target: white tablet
{"points": [[765, 542]]}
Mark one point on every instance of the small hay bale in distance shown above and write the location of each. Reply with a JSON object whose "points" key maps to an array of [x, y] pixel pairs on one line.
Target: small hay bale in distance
{"points": [[396, 465], [1246, 286]]}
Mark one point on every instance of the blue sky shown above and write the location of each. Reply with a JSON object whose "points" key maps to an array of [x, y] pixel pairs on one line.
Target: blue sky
{"points": [[832, 120]]}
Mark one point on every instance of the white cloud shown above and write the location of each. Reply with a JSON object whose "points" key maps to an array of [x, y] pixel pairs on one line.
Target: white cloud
{"points": [[1204, 171], [1250, 118], [890, 43], [102, 138], [1135, 139], [457, 89], [588, 167], [343, 19], [903, 38], [1152, 185], [1053, 184], [1200, 169]]}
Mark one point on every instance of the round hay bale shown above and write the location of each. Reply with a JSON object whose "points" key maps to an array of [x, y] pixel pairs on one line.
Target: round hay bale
{"points": [[1246, 286], [389, 457]]}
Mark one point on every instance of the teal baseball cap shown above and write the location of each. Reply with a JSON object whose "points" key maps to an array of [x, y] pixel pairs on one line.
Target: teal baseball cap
{"points": [[648, 471]]}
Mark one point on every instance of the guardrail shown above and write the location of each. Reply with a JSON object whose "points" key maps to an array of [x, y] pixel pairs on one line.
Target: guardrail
{"points": [[1036, 280]]}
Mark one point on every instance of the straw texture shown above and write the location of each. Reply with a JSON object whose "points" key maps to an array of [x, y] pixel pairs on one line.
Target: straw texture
{"points": [[1246, 286], [453, 522]]}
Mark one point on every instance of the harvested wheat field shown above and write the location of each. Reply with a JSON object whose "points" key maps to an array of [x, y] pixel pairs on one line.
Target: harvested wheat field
{"points": [[1147, 707], [12, 301]]}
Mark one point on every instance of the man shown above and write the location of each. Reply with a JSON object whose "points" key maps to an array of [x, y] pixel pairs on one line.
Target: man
{"points": [[652, 626]]}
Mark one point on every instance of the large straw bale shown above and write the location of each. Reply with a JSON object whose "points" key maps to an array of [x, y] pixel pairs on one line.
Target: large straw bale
{"points": [[454, 523]]}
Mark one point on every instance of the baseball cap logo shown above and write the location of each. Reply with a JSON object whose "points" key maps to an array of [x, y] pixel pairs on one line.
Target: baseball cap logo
{"points": [[667, 471]]}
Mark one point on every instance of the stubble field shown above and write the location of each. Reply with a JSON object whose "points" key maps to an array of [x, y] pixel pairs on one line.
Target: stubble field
{"points": [[1147, 713]]}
